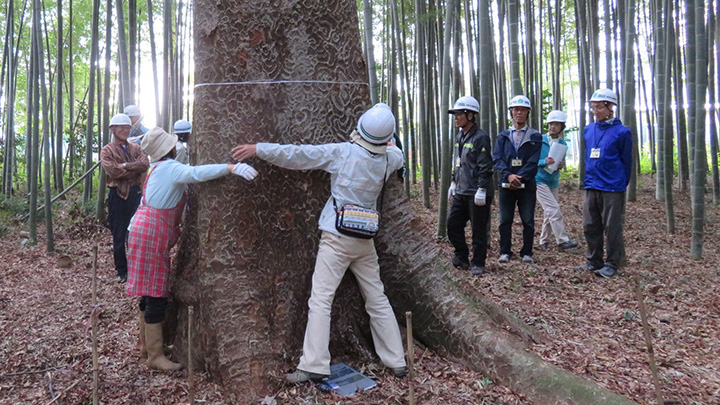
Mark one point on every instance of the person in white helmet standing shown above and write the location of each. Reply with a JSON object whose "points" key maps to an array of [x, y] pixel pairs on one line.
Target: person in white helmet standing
{"points": [[182, 129], [358, 171], [125, 166], [548, 182], [608, 166], [472, 187], [138, 130], [516, 156]]}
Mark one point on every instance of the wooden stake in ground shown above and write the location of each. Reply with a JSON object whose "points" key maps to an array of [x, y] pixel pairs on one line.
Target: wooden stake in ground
{"points": [[191, 382], [648, 342], [93, 315], [410, 358]]}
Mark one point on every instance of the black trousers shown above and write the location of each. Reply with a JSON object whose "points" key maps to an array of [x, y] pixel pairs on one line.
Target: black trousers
{"points": [[119, 214], [463, 209], [525, 201], [604, 217], [154, 307]]}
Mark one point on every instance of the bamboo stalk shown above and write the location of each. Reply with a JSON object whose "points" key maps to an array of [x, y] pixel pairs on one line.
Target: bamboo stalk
{"points": [[648, 342], [410, 358], [94, 326], [191, 380]]}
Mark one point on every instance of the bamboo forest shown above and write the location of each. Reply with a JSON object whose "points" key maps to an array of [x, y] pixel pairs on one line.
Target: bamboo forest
{"points": [[609, 296]]}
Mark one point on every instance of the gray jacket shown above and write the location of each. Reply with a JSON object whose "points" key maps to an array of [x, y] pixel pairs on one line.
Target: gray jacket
{"points": [[472, 161]]}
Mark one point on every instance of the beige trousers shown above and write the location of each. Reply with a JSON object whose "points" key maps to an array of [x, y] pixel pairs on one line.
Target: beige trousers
{"points": [[552, 216], [336, 254]]}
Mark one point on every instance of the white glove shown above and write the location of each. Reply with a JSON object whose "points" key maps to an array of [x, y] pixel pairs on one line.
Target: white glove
{"points": [[451, 190], [245, 171], [480, 197]]}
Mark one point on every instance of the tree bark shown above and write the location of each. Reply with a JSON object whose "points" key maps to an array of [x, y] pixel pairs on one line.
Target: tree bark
{"points": [[247, 255]]}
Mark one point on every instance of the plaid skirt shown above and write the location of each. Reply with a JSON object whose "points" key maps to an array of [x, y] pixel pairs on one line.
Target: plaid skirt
{"points": [[153, 232]]}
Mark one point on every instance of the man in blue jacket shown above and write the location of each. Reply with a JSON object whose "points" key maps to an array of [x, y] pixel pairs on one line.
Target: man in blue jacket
{"points": [[608, 165], [516, 156]]}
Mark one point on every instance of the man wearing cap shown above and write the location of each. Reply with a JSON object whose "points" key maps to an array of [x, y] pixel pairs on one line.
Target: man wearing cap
{"points": [[125, 166], [548, 182], [138, 129], [182, 129], [516, 156], [471, 189], [358, 171], [608, 166]]}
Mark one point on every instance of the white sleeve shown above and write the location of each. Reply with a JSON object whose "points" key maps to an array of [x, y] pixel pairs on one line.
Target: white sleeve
{"points": [[302, 157], [181, 173], [395, 158]]}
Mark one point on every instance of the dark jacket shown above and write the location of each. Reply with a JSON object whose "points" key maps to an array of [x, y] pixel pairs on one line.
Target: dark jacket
{"points": [[475, 168], [612, 170], [528, 154]]}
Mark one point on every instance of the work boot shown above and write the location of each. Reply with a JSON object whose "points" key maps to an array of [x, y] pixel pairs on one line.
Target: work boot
{"points": [[567, 245], [460, 263], [154, 344], [300, 376], [587, 266], [477, 271], [141, 338], [606, 272], [400, 372]]}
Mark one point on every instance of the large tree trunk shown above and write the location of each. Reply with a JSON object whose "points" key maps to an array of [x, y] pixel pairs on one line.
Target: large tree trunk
{"points": [[296, 75]]}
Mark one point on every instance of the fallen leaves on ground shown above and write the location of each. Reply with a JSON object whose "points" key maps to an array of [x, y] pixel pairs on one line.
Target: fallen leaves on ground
{"points": [[593, 325]]}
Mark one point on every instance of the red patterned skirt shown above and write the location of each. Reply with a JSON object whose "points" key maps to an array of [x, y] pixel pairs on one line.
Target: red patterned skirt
{"points": [[153, 232]]}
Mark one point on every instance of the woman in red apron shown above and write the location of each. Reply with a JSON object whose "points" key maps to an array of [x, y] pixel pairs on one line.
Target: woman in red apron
{"points": [[155, 229]]}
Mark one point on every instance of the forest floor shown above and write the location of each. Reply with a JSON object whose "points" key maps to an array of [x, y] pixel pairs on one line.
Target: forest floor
{"points": [[592, 325]]}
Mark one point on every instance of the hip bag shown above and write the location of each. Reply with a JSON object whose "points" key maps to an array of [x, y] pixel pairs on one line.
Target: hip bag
{"points": [[359, 222]]}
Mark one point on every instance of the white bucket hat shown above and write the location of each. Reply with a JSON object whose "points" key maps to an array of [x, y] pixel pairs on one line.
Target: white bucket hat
{"points": [[158, 143]]}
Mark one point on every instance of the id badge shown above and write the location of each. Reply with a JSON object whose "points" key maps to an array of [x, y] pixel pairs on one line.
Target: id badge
{"points": [[595, 153], [457, 162], [516, 162]]}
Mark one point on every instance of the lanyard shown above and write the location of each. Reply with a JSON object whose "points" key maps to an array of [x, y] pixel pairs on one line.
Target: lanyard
{"points": [[599, 139]]}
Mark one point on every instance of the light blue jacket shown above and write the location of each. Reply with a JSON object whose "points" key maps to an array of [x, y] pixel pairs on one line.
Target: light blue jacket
{"points": [[552, 180]]}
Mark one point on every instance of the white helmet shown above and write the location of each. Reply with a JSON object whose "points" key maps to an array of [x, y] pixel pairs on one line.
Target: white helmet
{"points": [[606, 95], [556, 116], [182, 127], [132, 111], [520, 101], [120, 119], [377, 125], [465, 104]]}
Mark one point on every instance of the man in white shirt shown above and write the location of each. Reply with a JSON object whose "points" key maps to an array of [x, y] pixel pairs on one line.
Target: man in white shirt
{"points": [[358, 171]]}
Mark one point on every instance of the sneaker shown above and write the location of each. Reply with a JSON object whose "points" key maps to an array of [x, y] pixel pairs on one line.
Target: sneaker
{"points": [[528, 259], [544, 246], [587, 266], [460, 263], [299, 376], [606, 272], [400, 372], [122, 279], [567, 245], [504, 258], [476, 270]]}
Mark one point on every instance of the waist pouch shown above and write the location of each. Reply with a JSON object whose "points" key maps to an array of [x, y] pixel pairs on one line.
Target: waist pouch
{"points": [[356, 221]]}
